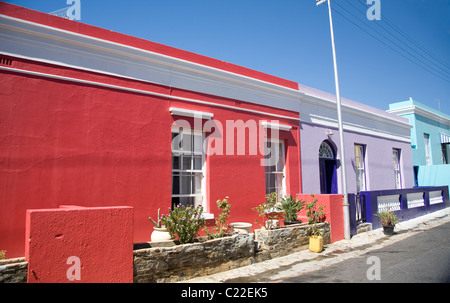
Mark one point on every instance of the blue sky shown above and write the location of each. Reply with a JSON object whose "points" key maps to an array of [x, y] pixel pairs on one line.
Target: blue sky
{"points": [[405, 54]]}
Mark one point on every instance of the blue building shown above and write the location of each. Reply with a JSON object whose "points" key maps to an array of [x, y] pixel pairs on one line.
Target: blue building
{"points": [[430, 141]]}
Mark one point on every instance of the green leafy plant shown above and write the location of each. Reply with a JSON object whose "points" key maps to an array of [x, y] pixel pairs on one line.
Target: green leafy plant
{"points": [[3, 255], [290, 206], [315, 214], [184, 222], [267, 211], [315, 231], [387, 218], [222, 226]]}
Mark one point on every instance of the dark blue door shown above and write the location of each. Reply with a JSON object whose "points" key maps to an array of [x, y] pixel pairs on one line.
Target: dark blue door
{"points": [[328, 176]]}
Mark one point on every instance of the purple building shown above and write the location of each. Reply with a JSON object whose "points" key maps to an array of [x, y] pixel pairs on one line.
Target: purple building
{"points": [[377, 146]]}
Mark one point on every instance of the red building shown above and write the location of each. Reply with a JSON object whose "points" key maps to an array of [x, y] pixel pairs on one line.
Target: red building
{"points": [[91, 117]]}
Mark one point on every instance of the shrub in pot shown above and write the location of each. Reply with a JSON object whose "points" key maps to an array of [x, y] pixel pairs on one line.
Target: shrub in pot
{"points": [[290, 207], [184, 222], [315, 214], [160, 232], [388, 220], [222, 227], [268, 212]]}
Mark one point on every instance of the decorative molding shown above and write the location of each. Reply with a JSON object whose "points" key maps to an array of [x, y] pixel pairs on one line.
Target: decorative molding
{"points": [[281, 127], [190, 113], [414, 109]]}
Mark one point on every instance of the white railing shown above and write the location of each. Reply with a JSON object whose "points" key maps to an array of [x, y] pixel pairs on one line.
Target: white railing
{"points": [[391, 202], [415, 199], [436, 197]]}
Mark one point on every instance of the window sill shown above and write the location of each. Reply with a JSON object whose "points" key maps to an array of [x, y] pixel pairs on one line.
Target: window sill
{"points": [[207, 216]]}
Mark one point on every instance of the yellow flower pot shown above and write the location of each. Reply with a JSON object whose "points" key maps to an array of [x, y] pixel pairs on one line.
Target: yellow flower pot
{"points": [[315, 243]]}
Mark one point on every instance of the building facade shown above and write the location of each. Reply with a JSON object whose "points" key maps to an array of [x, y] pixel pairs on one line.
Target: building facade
{"points": [[430, 141], [377, 146], [91, 117]]}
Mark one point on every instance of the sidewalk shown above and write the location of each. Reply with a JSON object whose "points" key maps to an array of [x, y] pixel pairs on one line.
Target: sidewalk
{"points": [[272, 271]]}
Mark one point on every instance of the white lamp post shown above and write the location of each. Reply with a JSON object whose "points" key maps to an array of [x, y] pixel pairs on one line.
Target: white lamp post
{"points": [[341, 131]]}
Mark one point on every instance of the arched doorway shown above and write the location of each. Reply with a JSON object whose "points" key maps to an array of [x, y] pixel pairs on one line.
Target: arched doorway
{"points": [[327, 166]]}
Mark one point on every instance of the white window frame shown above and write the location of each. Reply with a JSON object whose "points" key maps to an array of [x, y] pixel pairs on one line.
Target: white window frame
{"points": [[427, 144], [445, 153], [281, 143], [396, 154], [360, 167], [201, 196]]}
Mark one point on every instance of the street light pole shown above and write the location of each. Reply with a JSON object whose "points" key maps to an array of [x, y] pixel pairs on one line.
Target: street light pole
{"points": [[341, 130]]}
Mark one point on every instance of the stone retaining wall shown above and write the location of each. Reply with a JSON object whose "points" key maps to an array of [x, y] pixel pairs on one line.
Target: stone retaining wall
{"points": [[13, 270], [279, 242], [181, 262], [168, 262]]}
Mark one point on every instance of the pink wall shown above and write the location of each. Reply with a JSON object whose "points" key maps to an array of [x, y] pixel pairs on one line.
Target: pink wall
{"points": [[64, 143], [333, 210], [76, 244]]}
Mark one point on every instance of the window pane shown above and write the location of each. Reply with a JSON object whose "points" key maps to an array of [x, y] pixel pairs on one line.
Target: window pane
{"points": [[198, 162], [175, 162], [175, 184], [198, 144], [427, 149], [278, 154], [176, 138], [278, 181], [175, 201], [187, 143], [186, 187], [270, 180], [359, 164], [187, 162], [187, 201], [197, 184], [273, 158]]}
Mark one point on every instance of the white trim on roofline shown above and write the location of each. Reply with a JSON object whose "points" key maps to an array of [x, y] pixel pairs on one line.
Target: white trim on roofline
{"points": [[414, 109], [65, 48], [145, 92], [41, 43]]}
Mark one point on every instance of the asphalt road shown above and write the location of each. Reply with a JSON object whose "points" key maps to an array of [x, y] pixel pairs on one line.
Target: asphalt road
{"points": [[422, 258]]}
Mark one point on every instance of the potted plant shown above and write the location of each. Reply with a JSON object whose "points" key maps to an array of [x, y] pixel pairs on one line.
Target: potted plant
{"points": [[184, 222], [315, 214], [388, 220], [160, 232], [222, 226], [315, 239], [268, 212], [290, 206]]}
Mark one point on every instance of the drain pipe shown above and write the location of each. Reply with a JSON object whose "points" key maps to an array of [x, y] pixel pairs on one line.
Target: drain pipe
{"points": [[341, 131]]}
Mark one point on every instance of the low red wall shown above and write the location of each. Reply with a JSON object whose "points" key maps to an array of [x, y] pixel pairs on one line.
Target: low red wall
{"points": [[333, 210], [78, 244]]}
